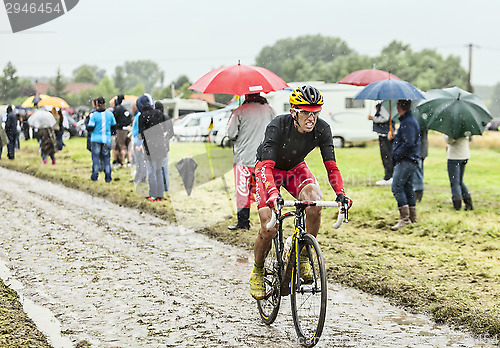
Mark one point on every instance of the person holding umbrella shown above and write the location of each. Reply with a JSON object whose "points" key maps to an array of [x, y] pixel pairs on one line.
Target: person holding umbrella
{"points": [[246, 128], [381, 127], [288, 139], [458, 114], [458, 154], [406, 156]]}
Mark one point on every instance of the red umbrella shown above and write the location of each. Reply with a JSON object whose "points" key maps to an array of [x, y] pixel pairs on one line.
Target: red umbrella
{"points": [[366, 76], [240, 80]]}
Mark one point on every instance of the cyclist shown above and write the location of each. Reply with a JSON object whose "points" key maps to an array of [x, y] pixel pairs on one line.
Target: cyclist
{"points": [[289, 138]]}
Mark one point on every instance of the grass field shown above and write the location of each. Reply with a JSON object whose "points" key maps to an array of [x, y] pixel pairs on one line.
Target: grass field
{"points": [[448, 264]]}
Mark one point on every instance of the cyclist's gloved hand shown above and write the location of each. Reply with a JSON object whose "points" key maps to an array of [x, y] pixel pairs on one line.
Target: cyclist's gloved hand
{"points": [[272, 202], [343, 199]]}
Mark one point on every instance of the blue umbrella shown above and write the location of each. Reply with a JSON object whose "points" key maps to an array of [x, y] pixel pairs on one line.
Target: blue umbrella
{"points": [[389, 90]]}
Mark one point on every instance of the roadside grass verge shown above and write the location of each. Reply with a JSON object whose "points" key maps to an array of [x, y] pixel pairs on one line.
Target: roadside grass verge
{"points": [[448, 264]]}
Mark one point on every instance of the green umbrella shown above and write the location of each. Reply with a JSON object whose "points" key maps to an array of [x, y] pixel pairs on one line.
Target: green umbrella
{"points": [[454, 112]]}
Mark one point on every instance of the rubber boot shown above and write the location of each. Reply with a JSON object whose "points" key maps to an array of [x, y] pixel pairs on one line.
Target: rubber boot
{"points": [[404, 213], [413, 214], [468, 202], [243, 220], [457, 202]]}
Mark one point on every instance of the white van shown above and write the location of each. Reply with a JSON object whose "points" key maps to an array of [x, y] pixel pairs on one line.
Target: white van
{"points": [[348, 118], [178, 108]]}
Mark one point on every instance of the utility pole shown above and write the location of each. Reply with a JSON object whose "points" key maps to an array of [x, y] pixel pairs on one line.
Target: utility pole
{"points": [[469, 84]]}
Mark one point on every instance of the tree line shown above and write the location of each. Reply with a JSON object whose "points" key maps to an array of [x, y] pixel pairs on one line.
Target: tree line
{"points": [[305, 58]]}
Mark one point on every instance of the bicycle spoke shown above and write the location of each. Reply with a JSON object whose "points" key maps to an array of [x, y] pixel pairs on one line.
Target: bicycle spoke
{"points": [[269, 306], [309, 300]]}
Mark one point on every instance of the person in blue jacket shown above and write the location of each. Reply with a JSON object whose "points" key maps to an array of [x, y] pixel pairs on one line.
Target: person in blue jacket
{"points": [[101, 123], [406, 157]]}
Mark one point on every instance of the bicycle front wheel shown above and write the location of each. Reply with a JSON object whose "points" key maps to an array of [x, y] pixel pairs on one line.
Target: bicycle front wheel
{"points": [[309, 292], [269, 305]]}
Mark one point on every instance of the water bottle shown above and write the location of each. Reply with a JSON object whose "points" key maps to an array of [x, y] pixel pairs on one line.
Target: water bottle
{"points": [[286, 250]]}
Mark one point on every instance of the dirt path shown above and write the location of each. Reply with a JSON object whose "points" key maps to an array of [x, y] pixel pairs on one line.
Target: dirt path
{"points": [[118, 278]]}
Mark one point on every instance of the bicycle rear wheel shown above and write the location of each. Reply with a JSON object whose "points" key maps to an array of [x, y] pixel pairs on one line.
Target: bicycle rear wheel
{"points": [[269, 306], [309, 300]]}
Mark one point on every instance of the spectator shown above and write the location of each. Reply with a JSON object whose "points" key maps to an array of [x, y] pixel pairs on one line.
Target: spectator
{"points": [[25, 125], [101, 123], [405, 155], [381, 127], [458, 154], [4, 140], [123, 119], [170, 133], [139, 159], [87, 119], [11, 130], [153, 130], [58, 128], [246, 127], [418, 178], [48, 143]]}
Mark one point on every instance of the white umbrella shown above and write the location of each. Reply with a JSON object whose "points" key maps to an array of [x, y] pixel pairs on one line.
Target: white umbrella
{"points": [[42, 119]]}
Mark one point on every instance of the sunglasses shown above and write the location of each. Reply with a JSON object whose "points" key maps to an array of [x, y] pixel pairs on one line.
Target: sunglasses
{"points": [[307, 114]]}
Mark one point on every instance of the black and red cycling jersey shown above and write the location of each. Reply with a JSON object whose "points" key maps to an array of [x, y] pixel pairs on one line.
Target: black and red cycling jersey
{"points": [[284, 147]]}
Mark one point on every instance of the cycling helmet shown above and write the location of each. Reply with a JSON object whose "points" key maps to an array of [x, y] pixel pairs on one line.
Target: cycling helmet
{"points": [[307, 98]]}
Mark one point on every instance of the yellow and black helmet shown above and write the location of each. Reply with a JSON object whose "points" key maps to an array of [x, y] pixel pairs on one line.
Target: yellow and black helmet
{"points": [[307, 98]]}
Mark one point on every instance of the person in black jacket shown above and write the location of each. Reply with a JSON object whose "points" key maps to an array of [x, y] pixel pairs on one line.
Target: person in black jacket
{"points": [[11, 130], [153, 129], [170, 133], [406, 157], [123, 119]]}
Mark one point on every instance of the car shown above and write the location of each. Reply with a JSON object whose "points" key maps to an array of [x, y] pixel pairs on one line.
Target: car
{"points": [[193, 127], [196, 126], [494, 125], [218, 135]]}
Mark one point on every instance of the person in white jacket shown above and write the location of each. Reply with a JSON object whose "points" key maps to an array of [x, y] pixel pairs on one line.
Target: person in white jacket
{"points": [[458, 154], [246, 127]]}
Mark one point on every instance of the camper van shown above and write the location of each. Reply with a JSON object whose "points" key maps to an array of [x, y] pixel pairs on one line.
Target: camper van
{"points": [[178, 108], [348, 118]]}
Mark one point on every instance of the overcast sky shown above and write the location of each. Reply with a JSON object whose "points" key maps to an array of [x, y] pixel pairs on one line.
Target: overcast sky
{"points": [[193, 37]]}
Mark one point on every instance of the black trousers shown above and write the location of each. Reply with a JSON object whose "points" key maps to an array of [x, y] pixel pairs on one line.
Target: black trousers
{"points": [[386, 154]]}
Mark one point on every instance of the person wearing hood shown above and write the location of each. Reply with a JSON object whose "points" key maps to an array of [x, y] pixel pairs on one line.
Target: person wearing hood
{"points": [[100, 125], [170, 133], [153, 130], [123, 119], [11, 130]]}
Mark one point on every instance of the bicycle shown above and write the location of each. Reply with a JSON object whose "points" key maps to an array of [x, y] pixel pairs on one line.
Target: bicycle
{"points": [[282, 272]]}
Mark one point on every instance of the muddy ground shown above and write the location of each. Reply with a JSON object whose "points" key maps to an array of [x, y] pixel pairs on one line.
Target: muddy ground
{"points": [[90, 272]]}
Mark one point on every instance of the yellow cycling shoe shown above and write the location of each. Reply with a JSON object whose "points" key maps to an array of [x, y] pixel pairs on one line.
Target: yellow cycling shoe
{"points": [[257, 287], [305, 267]]}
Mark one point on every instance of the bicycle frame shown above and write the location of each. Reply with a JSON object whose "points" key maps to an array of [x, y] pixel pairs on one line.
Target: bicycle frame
{"points": [[293, 254]]}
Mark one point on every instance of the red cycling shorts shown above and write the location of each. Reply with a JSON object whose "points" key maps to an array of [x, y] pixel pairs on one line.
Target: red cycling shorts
{"points": [[293, 180]]}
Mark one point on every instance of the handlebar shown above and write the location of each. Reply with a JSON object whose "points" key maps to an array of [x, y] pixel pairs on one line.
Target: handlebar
{"points": [[343, 210]]}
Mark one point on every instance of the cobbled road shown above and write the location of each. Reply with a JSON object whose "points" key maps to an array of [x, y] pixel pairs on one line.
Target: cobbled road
{"points": [[116, 277]]}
